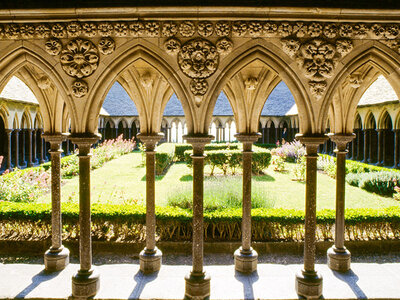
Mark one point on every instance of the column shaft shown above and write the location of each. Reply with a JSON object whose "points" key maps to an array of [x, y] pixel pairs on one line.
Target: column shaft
{"points": [[9, 148], [16, 148], [246, 206], [150, 201], [340, 196], [34, 146], [41, 147], [56, 238], [365, 158], [29, 133], [396, 148]]}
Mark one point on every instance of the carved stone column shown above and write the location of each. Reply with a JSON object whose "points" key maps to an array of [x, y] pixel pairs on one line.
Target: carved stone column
{"points": [[41, 146], [86, 282], [150, 257], [379, 161], [23, 147], [385, 136], [198, 282], [338, 256], [16, 147], [9, 149], [308, 281], [29, 133], [359, 144], [57, 257], [396, 148], [370, 146], [353, 149], [246, 257]]}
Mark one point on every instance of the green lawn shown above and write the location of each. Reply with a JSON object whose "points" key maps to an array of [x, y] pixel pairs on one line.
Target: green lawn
{"points": [[123, 181]]}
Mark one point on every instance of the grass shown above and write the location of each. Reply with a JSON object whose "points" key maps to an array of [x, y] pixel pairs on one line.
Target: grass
{"points": [[121, 181]]}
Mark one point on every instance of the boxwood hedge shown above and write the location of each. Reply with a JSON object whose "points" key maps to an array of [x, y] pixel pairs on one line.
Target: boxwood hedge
{"points": [[125, 223]]}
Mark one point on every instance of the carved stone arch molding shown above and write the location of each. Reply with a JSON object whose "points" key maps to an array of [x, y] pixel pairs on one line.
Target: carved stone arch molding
{"points": [[40, 70], [376, 55]]}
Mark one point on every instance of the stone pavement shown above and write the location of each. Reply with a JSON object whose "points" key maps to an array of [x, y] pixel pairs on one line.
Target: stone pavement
{"points": [[272, 281]]}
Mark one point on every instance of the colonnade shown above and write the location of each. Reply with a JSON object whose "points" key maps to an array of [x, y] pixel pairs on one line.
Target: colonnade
{"points": [[86, 282]]}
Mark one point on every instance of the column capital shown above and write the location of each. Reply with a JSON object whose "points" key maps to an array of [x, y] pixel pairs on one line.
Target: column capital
{"points": [[84, 141], [9, 131], [150, 139], [247, 139], [55, 140], [341, 140], [198, 142], [311, 142], [17, 130]]}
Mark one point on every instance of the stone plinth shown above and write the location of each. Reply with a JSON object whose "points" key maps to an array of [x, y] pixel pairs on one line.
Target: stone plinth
{"points": [[150, 261], [309, 284], [56, 260], [85, 284], [197, 286], [246, 261], [339, 259]]}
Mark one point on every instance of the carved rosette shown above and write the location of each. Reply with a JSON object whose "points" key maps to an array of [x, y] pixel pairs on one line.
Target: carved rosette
{"points": [[172, 46], [79, 58], [79, 88], [106, 45], [205, 29], [53, 46], [224, 46], [198, 87], [198, 58], [187, 29]]}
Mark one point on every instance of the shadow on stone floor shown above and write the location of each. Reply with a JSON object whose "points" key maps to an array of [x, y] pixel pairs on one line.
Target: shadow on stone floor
{"points": [[141, 281], [39, 278], [350, 278], [247, 281]]}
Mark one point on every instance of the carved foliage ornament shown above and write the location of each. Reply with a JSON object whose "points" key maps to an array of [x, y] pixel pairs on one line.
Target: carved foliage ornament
{"points": [[106, 45], [53, 46], [198, 58], [79, 58]]}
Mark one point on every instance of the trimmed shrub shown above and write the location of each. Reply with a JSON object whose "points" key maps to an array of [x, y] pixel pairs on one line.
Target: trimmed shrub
{"points": [[125, 223], [382, 183], [265, 146], [353, 179], [181, 148], [261, 160], [164, 157], [180, 151]]}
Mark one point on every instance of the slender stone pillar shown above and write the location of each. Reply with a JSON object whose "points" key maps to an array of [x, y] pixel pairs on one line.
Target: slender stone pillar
{"points": [[150, 257], [396, 148], [23, 147], [41, 146], [34, 146], [198, 282], [29, 133], [16, 148], [359, 144], [57, 257], [308, 281], [246, 257], [9, 149], [263, 135], [365, 158], [379, 161], [370, 146], [338, 256], [353, 148], [86, 282], [67, 146], [384, 141]]}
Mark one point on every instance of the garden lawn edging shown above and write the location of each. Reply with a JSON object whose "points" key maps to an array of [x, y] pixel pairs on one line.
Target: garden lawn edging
{"points": [[126, 223]]}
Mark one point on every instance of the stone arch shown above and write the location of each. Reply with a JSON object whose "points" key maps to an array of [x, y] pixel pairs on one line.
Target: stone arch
{"points": [[38, 122], [373, 54], [15, 122], [122, 59], [358, 122], [369, 121], [4, 114], [384, 120], [273, 58], [23, 60], [26, 121]]}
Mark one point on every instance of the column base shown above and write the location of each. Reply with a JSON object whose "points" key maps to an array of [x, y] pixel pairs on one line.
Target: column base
{"points": [[56, 260], [246, 262], [85, 284], [309, 284], [339, 260], [197, 286], [41, 161], [150, 262], [30, 165]]}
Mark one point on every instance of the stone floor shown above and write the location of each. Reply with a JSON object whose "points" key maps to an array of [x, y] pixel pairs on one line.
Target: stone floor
{"points": [[272, 281]]}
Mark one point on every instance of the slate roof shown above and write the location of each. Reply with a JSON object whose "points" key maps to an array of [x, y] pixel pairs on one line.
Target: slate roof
{"points": [[16, 89], [379, 91], [279, 103]]}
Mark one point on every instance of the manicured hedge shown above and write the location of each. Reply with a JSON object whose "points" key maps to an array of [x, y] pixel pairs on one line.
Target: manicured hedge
{"points": [[181, 148], [382, 183], [164, 157], [265, 145], [28, 221]]}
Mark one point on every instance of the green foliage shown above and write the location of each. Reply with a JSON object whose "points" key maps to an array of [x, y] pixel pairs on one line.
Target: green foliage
{"points": [[232, 159], [265, 146], [382, 183], [279, 163], [328, 165], [125, 223], [299, 170], [164, 157], [219, 193], [181, 148]]}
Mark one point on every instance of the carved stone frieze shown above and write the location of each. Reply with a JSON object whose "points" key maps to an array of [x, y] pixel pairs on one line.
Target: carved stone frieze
{"points": [[204, 28], [79, 88], [79, 58], [198, 58], [318, 61], [53, 46], [106, 45]]}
